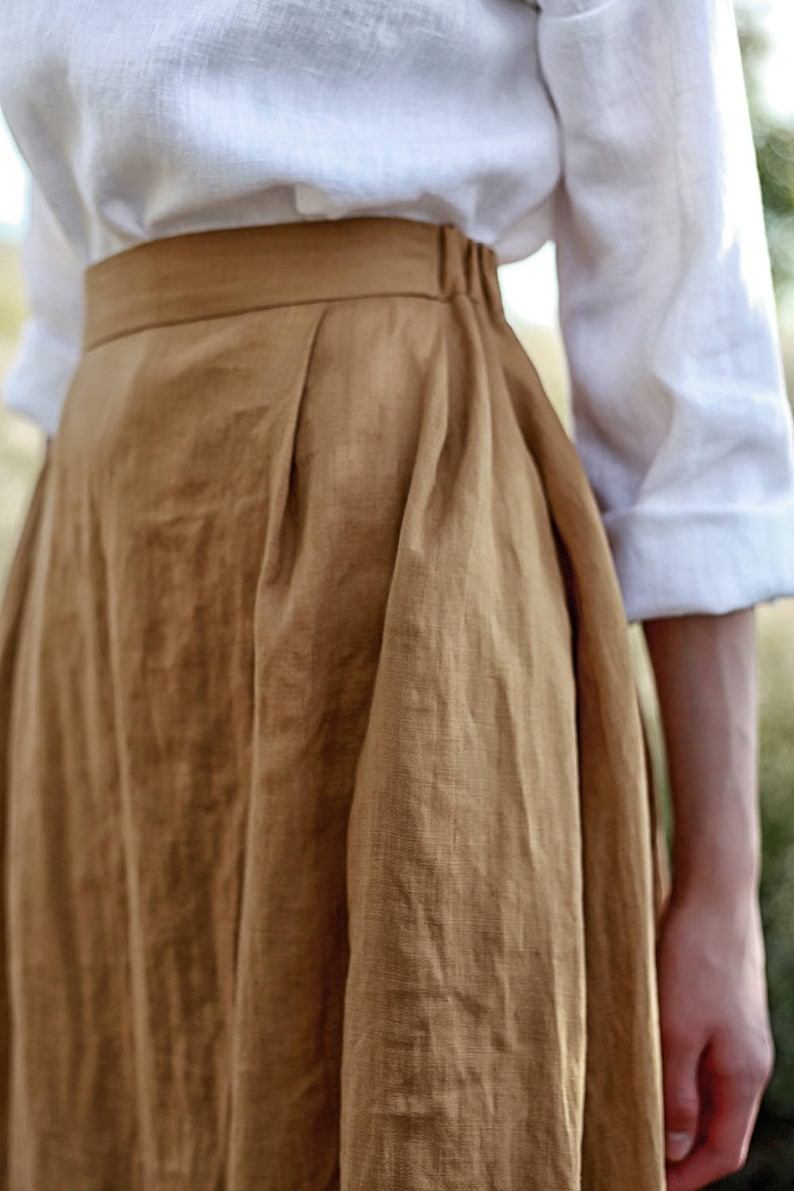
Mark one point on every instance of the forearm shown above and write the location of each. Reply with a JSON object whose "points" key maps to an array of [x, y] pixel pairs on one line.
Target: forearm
{"points": [[705, 670]]}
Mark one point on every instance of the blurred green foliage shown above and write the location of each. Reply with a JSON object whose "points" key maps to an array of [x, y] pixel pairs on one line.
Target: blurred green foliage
{"points": [[774, 145]]}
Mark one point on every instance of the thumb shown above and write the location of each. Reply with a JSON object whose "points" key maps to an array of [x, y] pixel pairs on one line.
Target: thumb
{"points": [[681, 1101], [678, 1145]]}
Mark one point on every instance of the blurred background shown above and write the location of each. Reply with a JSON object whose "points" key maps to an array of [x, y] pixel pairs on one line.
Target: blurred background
{"points": [[530, 296]]}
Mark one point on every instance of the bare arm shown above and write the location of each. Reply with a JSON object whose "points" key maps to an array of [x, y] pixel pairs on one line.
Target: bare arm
{"points": [[705, 671], [717, 1046]]}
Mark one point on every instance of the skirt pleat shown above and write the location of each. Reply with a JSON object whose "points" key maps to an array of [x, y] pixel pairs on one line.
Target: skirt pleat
{"points": [[332, 852]]}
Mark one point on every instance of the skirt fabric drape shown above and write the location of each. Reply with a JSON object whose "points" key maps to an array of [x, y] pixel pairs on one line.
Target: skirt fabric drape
{"points": [[332, 858]]}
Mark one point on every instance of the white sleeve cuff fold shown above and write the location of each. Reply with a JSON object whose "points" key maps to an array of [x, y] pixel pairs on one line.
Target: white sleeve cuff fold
{"points": [[702, 560]]}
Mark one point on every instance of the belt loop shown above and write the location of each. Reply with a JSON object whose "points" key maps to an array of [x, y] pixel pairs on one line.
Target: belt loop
{"points": [[471, 265], [446, 259], [491, 281]]}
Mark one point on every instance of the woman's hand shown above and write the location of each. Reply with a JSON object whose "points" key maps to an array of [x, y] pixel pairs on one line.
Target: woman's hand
{"points": [[717, 1045]]}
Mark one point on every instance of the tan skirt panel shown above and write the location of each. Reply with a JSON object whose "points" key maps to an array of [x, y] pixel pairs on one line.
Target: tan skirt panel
{"points": [[332, 860]]}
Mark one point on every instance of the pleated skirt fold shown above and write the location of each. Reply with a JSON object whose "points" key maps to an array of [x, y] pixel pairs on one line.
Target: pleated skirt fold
{"points": [[332, 859]]}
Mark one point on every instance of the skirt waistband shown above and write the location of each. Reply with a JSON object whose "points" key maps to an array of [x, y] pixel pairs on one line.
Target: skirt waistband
{"points": [[225, 271]]}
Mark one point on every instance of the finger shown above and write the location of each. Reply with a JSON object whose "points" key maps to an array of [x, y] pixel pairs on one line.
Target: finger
{"points": [[731, 1104], [681, 1095]]}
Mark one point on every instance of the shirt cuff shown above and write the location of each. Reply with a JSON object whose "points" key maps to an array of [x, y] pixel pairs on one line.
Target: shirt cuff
{"points": [[701, 561]]}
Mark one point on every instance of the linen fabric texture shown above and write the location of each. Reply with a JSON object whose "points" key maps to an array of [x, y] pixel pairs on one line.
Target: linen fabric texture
{"points": [[618, 129], [332, 852]]}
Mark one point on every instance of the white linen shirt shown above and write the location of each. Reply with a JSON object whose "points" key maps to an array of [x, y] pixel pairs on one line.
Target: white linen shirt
{"points": [[617, 128]]}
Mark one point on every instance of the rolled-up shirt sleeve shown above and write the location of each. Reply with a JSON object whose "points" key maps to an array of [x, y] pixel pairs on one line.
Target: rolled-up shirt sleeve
{"points": [[41, 371], [667, 311]]}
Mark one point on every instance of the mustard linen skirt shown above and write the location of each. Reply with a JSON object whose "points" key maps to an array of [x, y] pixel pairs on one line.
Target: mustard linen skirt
{"points": [[332, 856]]}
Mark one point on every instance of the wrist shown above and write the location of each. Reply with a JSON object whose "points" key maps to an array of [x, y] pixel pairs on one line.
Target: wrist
{"points": [[724, 922], [715, 877], [716, 844], [720, 860]]}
